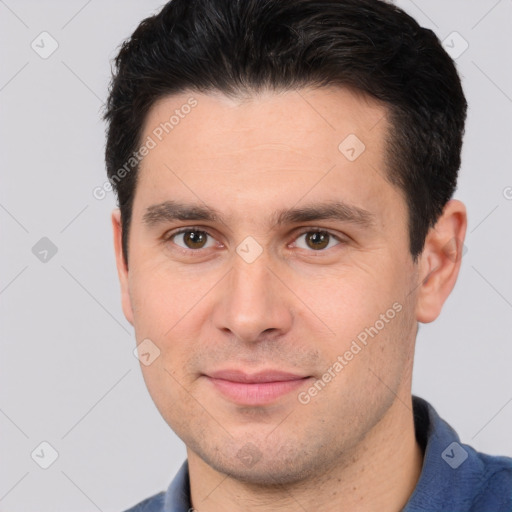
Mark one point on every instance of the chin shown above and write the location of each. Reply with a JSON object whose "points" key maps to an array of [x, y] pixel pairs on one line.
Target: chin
{"points": [[269, 475], [263, 469]]}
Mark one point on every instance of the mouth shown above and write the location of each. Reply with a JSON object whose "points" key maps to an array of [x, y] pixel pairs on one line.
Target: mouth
{"points": [[262, 388]]}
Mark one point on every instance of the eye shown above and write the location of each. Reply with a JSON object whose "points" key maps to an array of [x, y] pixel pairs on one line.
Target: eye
{"points": [[196, 239], [317, 240], [192, 239]]}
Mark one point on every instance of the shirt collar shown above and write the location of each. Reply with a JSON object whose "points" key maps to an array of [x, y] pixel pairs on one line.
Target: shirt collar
{"points": [[451, 471]]}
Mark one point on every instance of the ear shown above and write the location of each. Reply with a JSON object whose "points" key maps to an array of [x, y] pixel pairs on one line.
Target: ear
{"points": [[122, 269], [440, 261]]}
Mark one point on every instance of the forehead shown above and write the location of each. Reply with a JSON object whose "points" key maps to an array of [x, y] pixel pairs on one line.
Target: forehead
{"points": [[274, 146], [316, 120]]}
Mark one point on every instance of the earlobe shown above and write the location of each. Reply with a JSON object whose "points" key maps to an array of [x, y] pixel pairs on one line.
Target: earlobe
{"points": [[440, 261], [122, 269]]}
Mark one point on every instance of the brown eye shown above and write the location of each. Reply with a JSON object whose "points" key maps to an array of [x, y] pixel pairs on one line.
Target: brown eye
{"points": [[316, 240], [191, 239], [194, 239]]}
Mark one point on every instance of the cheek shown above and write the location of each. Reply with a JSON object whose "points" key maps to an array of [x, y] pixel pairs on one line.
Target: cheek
{"points": [[171, 310], [344, 301], [160, 298], [362, 309], [165, 311]]}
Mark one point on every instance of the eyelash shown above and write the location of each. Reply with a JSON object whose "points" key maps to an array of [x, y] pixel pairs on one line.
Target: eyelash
{"points": [[169, 236]]}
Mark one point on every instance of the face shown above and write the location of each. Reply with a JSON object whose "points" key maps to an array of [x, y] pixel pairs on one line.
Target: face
{"points": [[269, 268]]}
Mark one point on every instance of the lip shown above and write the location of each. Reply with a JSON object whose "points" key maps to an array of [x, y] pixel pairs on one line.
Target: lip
{"points": [[261, 388]]}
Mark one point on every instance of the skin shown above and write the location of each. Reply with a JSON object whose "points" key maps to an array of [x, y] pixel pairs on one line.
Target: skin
{"points": [[296, 308]]}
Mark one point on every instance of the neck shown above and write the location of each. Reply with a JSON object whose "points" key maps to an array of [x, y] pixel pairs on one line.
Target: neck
{"points": [[379, 475]]}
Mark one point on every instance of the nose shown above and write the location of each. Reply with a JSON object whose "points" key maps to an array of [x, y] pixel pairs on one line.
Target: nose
{"points": [[253, 303]]}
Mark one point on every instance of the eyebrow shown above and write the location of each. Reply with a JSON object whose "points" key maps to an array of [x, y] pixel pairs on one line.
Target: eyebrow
{"points": [[170, 211]]}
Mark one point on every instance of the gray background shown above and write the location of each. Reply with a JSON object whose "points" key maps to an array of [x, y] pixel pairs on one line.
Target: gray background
{"points": [[68, 374]]}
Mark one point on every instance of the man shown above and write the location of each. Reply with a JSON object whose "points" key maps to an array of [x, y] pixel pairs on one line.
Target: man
{"points": [[285, 172]]}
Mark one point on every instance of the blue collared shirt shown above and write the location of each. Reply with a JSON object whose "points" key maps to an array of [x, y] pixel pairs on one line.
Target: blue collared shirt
{"points": [[454, 477]]}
